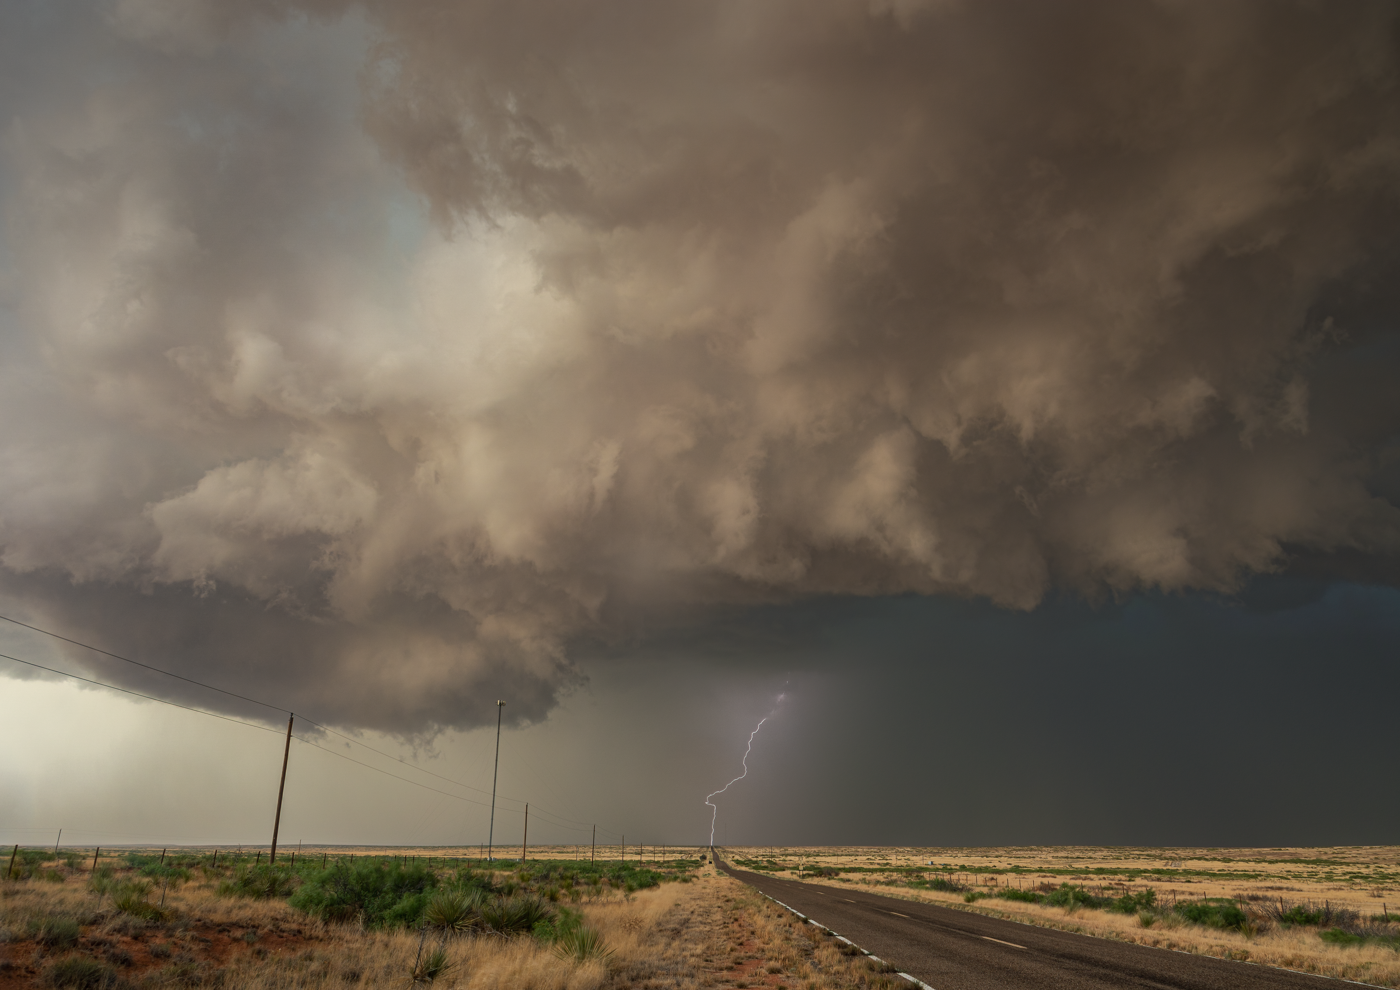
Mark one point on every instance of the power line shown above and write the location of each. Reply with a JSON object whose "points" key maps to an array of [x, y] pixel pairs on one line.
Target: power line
{"points": [[138, 663], [277, 708], [390, 756], [89, 680], [231, 694], [251, 725], [385, 772]]}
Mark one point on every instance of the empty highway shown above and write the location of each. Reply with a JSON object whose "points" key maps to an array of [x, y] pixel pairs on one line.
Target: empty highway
{"points": [[949, 949]]}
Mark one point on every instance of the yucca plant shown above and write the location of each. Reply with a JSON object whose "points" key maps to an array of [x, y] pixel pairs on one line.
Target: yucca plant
{"points": [[454, 911], [428, 968], [581, 944], [514, 915]]}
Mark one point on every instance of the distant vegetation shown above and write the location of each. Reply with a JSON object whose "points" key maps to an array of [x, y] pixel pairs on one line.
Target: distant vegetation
{"points": [[434, 901]]}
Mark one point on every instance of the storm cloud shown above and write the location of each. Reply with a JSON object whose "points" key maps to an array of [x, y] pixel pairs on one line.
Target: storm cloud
{"points": [[374, 356]]}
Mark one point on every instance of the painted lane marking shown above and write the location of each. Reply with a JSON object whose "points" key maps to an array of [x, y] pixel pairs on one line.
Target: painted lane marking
{"points": [[898, 915], [912, 979], [1012, 944], [848, 900]]}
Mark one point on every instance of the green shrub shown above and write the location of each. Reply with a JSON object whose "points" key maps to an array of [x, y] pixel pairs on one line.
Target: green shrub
{"points": [[259, 881], [382, 895], [1028, 896], [940, 883], [102, 880], [133, 897], [81, 973], [1299, 915], [55, 931], [1214, 912], [1339, 937], [1134, 903]]}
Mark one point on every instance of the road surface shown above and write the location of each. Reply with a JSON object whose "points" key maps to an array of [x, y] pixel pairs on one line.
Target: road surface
{"points": [[957, 950]]}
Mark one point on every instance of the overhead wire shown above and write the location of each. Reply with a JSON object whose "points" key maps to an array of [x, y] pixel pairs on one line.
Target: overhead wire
{"points": [[89, 680], [232, 694], [147, 666], [547, 814], [251, 725]]}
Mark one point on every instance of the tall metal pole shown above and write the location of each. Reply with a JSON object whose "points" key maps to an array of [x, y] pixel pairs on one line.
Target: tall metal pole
{"points": [[491, 831], [526, 840], [277, 821], [592, 850]]}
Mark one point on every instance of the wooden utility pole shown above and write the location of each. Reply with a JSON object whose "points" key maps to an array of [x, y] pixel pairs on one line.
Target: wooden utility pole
{"points": [[526, 840], [277, 821], [495, 773]]}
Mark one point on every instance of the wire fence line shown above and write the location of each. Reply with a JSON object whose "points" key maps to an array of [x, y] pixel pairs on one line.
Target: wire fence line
{"points": [[551, 817]]}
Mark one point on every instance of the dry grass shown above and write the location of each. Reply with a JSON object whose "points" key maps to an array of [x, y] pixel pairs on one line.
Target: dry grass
{"points": [[1360, 879], [266, 945], [721, 933]]}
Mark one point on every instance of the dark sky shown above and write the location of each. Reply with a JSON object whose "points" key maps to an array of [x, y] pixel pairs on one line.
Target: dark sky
{"points": [[1015, 382]]}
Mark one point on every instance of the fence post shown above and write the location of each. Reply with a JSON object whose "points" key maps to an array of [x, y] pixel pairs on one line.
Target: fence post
{"points": [[13, 854], [94, 858]]}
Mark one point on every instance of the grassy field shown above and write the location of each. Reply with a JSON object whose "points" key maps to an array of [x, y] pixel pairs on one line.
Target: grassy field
{"points": [[1331, 911], [374, 918], [401, 919]]}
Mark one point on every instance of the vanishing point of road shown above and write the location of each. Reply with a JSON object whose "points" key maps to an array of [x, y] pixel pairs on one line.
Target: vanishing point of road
{"points": [[956, 950]]}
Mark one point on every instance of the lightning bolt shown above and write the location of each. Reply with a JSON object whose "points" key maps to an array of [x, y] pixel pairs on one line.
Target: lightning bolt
{"points": [[741, 776]]}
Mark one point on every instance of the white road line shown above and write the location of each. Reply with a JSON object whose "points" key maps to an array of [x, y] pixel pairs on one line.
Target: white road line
{"points": [[1012, 944], [912, 979], [898, 915], [848, 900]]}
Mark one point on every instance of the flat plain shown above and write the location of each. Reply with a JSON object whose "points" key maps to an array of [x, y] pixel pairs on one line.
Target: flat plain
{"points": [[1328, 911]]}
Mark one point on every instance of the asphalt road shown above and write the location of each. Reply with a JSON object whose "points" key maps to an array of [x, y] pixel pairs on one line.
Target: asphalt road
{"points": [[957, 950]]}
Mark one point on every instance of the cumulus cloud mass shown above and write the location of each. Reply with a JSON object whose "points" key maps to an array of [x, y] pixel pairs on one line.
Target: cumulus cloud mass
{"points": [[373, 355]]}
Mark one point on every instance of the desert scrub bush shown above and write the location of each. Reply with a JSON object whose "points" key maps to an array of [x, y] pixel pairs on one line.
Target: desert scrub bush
{"points": [[380, 895], [1369, 935], [940, 883], [1214, 912], [515, 915], [1071, 897], [133, 897], [81, 973], [259, 881], [54, 931], [102, 879], [1312, 915]]}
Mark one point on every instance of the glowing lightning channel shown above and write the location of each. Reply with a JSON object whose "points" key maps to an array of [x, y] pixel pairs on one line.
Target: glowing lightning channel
{"points": [[741, 776]]}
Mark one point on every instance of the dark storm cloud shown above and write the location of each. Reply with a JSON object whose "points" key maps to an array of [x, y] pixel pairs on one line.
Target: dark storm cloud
{"points": [[725, 303]]}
